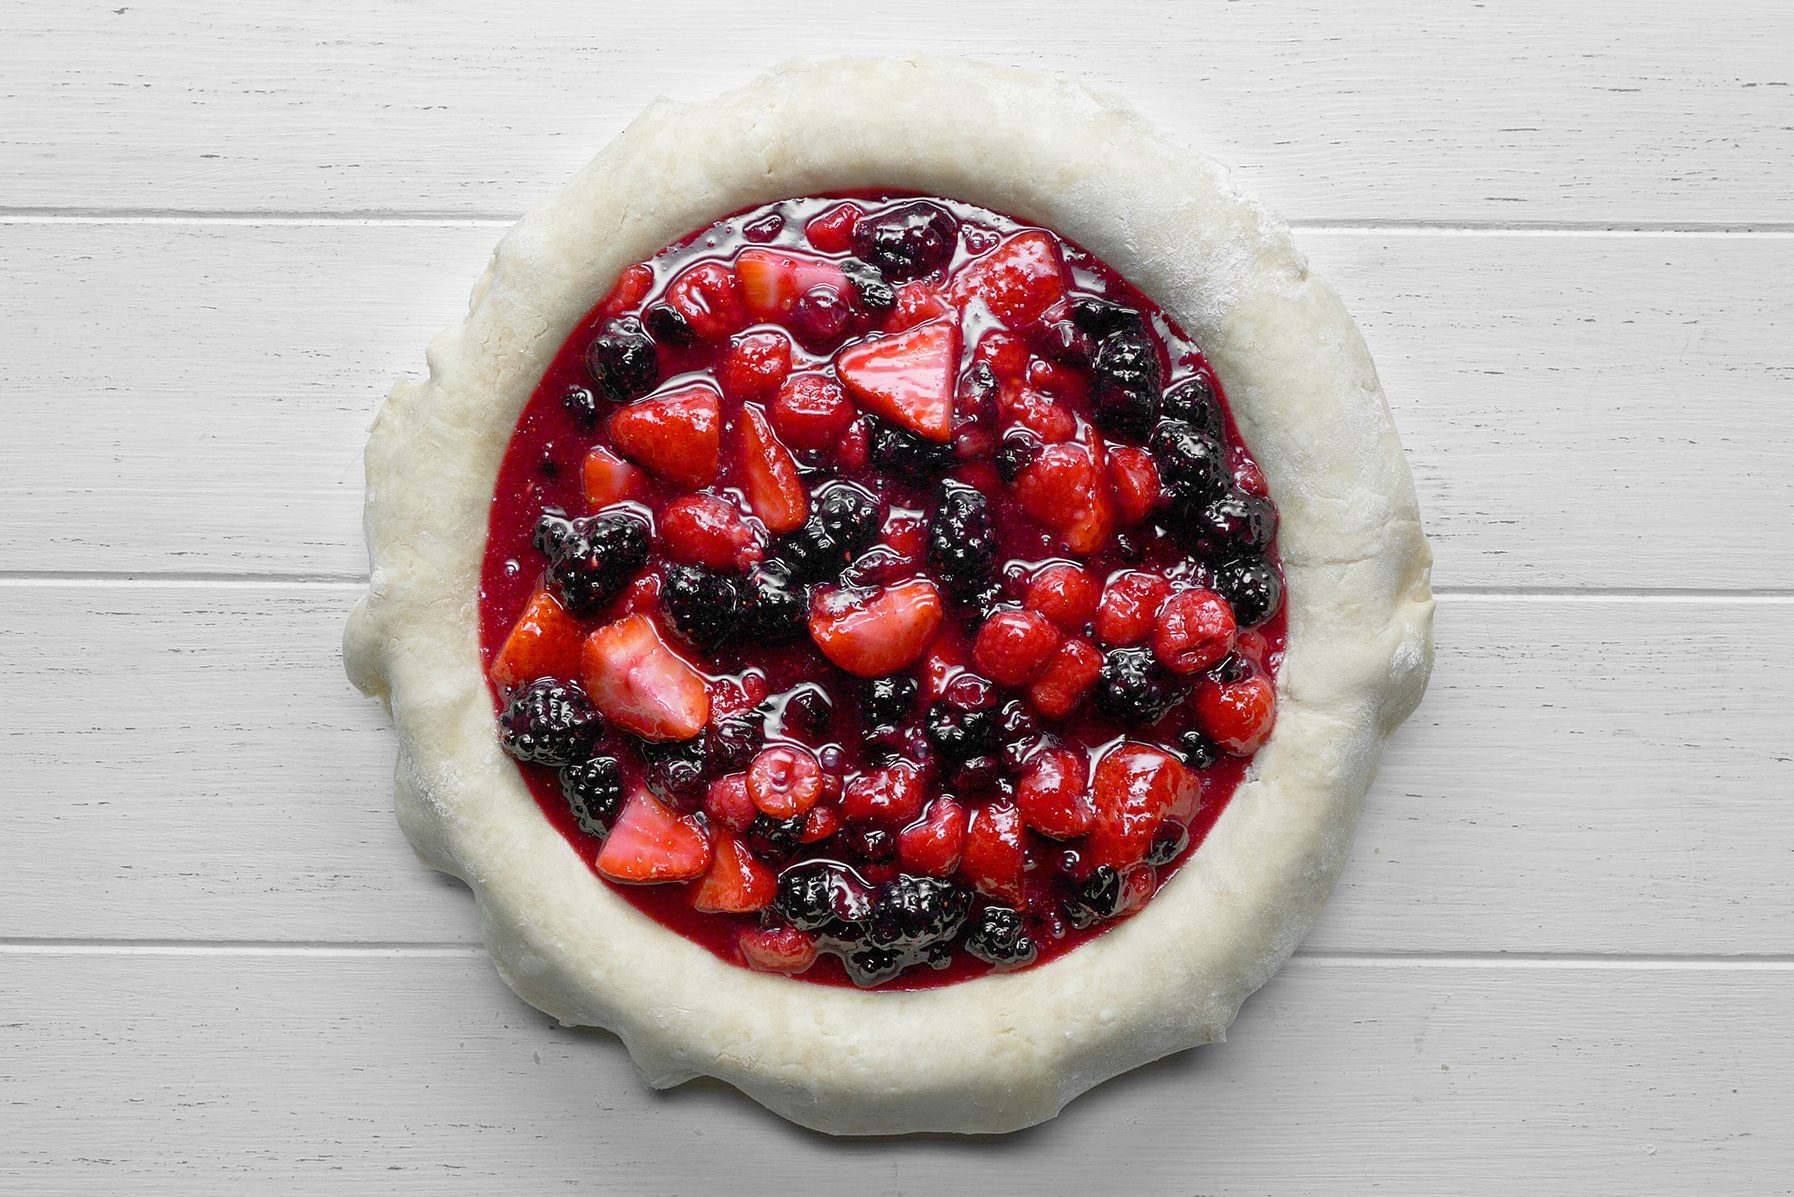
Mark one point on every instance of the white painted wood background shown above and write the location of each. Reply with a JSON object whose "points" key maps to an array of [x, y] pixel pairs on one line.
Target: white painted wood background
{"points": [[1562, 957]]}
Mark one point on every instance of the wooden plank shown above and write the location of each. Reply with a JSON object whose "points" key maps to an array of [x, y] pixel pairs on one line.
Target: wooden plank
{"points": [[1522, 112], [1586, 776], [210, 1073], [1609, 411]]}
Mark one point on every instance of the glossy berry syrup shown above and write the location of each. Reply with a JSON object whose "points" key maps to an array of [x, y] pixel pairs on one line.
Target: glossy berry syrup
{"points": [[877, 591]]}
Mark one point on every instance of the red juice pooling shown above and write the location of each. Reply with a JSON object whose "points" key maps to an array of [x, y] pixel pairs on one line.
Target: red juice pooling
{"points": [[906, 604]]}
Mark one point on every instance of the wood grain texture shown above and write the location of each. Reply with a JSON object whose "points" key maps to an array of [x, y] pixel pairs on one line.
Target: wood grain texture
{"points": [[1529, 111], [197, 1074], [192, 397], [1586, 776]]}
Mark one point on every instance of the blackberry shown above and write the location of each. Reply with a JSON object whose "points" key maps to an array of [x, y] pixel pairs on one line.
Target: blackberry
{"points": [[870, 288], [1192, 464], [1016, 452], [581, 403], [549, 723], [1252, 587], [908, 240], [823, 895], [978, 392], [977, 776], [998, 936], [959, 734], [1101, 318], [850, 513], [621, 361], [1195, 403], [1168, 843], [804, 711], [554, 531], [869, 843], [900, 453], [1134, 687], [591, 565], [1069, 342], [1128, 382], [1199, 752], [594, 790], [775, 839], [1232, 524], [888, 701], [914, 911], [1096, 898], [984, 602], [668, 327], [675, 770], [873, 966], [732, 741], [820, 319], [962, 539], [775, 605], [704, 606]]}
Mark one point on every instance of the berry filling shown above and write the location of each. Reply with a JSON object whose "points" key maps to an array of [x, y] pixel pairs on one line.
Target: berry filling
{"points": [[877, 591]]}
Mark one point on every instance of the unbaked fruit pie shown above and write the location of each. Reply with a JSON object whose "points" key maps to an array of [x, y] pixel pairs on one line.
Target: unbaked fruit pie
{"points": [[893, 596]]}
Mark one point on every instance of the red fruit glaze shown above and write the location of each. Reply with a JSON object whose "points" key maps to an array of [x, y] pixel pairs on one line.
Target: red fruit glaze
{"points": [[752, 317]]}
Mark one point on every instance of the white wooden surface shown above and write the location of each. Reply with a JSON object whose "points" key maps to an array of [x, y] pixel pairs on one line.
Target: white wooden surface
{"points": [[1562, 957]]}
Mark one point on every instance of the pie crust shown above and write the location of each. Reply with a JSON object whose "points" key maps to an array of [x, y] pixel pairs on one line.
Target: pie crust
{"points": [[1000, 1052]]}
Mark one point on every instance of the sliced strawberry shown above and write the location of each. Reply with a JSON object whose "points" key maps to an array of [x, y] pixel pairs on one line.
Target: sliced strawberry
{"points": [[632, 287], [777, 949], [1013, 646], [755, 366], [1134, 789], [609, 479], [709, 298], [1005, 353], [705, 530], [891, 795], [728, 804], [907, 378], [1065, 594], [994, 860], [811, 411], [1068, 676], [870, 636], [1129, 609], [1134, 483], [640, 684], [650, 844], [544, 642], [1051, 796], [933, 844], [1035, 410], [1238, 715], [1018, 280], [785, 780], [737, 883], [916, 303], [1062, 488], [774, 490], [1195, 630], [831, 231], [772, 280], [677, 435]]}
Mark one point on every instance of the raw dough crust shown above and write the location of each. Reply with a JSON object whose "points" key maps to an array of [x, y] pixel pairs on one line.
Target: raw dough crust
{"points": [[998, 1053]]}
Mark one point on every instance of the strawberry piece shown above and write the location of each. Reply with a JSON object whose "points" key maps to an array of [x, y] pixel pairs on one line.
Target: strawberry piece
{"points": [[890, 795], [649, 844], [777, 949], [728, 804], [755, 366], [774, 490], [1065, 594], [709, 298], [932, 845], [1195, 630], [1251, 645], [1018, 280], [1062, 490], [994, 860], [785, 781], [1134, 483], [1130, 607], [706, 530], [772, 281], [1051, 796], [640, 684], [876, 635], [1068, 676], [822, 822], [1238, 715], [1005, 353], [544, 642], [1013, 646], [855, 450], [737, 883], [831, 231], [1036, 411], [677, 435], [1135, 788], [907, 378], [916, 303], [631, 288], [609, 479], [1058, 380], [811, 411]]}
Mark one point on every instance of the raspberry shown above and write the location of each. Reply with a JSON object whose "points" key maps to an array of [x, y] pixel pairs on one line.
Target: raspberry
{"points": [[755, 366], [1238, 716], [810, 412], [1195, 631], [1130, 606], [1065, 594], [1013, 646]]}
